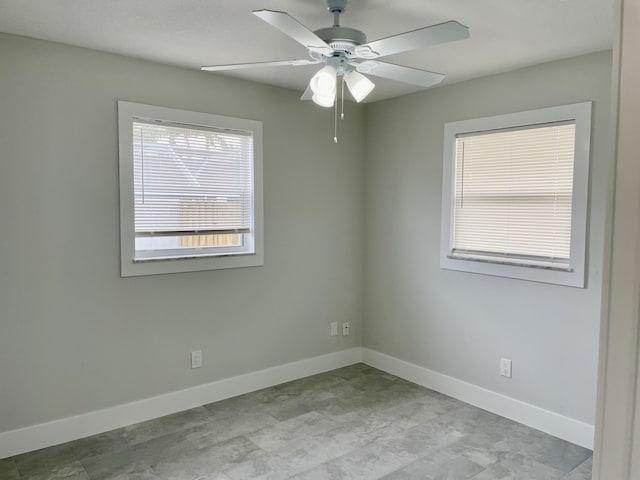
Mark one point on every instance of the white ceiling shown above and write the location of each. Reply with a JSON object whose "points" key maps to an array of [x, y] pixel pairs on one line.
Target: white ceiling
{"points": [[505, 34]]}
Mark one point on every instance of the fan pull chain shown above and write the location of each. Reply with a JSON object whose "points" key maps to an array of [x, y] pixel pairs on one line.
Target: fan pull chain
{"points": [[335, 121], [342, 109]]}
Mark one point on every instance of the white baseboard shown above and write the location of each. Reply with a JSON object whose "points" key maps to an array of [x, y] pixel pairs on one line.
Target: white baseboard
{"points": [[67, 429], [560, 426]]}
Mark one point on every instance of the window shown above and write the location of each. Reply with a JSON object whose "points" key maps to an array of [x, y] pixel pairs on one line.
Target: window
{"points": [[190, 190], [515, 194]]}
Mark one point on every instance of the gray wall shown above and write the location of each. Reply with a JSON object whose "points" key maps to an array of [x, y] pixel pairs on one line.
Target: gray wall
{"points": [[74, 336], [460, 324]]}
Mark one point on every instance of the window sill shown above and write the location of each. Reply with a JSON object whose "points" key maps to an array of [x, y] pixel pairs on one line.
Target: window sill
{"points": [[512, 263], [158, 266], [571, 277], [191, 257]]}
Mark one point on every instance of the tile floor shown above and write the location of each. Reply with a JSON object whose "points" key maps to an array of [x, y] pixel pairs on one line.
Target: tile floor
{"points": [[352, 423]]}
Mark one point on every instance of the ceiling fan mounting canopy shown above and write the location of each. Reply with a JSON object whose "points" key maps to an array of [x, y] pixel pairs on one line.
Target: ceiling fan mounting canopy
{"points": [[336, 5]]}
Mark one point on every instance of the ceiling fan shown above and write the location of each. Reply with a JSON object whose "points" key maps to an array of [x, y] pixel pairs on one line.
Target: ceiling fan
{"points": [[347, 54]]}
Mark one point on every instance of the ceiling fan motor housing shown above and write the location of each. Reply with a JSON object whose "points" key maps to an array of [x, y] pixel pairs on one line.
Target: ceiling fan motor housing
{"points": [[342, 38]]}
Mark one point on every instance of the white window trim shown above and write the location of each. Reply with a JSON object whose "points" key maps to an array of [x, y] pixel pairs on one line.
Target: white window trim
{"points": [[575, 277], [127, 112]]}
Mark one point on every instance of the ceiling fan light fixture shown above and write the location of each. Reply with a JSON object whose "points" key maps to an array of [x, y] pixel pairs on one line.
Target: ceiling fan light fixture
{"points": [[359, 85], [326, 101], [323, 83]]}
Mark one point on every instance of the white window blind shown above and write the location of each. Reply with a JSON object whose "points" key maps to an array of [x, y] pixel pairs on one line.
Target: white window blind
{"points": [[190, 191], [513, 195], [191, 180]]}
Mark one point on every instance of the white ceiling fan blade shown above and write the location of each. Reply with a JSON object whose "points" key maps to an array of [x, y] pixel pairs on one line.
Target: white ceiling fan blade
{"points": [[422, 78], [307, 95], [291, 27], [423, 37], [239, 66]]}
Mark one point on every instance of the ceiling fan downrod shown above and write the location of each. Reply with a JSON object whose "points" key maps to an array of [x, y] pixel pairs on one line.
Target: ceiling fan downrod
{"points": [[341, 39], [336, 7]]}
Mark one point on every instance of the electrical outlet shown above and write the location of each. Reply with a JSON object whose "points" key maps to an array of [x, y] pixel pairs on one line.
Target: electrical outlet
{"points": [[334, 329], [345, 329], [505, 367], [196, 359]]}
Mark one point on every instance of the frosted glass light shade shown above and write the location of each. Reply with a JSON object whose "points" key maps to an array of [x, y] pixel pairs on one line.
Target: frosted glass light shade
{"points": [[324, 100], [323, 83], [359, 85]]}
